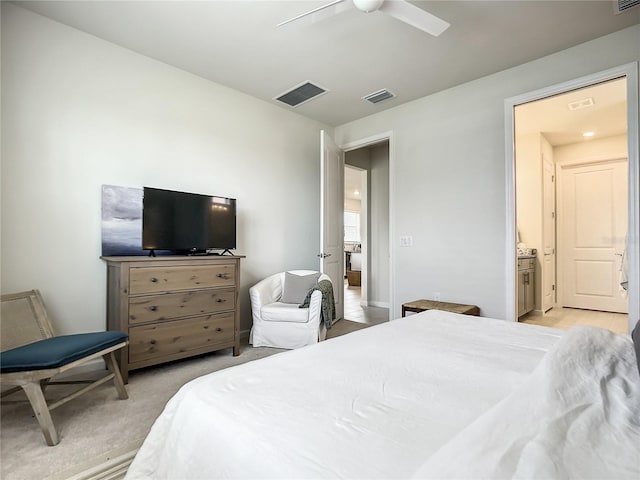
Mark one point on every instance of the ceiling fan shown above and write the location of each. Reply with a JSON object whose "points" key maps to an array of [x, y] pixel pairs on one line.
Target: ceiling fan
{"points": [[399, 9]]}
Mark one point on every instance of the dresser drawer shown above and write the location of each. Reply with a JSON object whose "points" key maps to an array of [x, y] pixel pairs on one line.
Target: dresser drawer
{"points": [[165, 306], [164, 279], [176, 339]]}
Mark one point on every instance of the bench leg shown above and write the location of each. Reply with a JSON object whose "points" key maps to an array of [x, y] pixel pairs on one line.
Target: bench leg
{"points": [[34, 393], [112, 364]]}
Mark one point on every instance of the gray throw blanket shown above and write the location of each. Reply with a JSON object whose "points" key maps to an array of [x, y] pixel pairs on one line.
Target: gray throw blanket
{"points": [[328, 306]]}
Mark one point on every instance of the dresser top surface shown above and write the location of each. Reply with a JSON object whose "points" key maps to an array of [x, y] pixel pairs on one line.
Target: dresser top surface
{"points": [[171, 258]]}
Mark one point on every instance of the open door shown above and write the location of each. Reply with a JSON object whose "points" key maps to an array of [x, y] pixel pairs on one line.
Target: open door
{"points": [[332, 216]]}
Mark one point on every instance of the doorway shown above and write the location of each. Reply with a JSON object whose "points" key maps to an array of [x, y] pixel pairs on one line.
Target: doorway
{"points": [[366, 227], [558, 229]]}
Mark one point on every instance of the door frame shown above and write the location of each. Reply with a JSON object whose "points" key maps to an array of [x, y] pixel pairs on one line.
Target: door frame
{"points": [[630, 71], [365, 142], [551, 266]]}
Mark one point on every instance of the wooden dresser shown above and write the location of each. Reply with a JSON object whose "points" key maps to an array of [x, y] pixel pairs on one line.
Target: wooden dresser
{"points": [[173, 307]]}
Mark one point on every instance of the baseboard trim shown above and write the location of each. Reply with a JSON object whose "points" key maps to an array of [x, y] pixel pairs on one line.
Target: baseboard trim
{"points": [[377, 304], [244, 334]]}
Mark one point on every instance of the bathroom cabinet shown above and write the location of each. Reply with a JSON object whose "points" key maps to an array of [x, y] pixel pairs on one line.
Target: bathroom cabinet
{"points": [[526, 285]]}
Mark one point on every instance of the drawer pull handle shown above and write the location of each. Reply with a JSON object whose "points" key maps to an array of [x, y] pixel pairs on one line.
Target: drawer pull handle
{"points": [[221, 275], [154, 280], [218, 329], [152, 342], [153, 308], [220, 300]]}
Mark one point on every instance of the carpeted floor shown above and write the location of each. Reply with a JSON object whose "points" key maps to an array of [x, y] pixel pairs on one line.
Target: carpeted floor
{"points": [[97, 429]]}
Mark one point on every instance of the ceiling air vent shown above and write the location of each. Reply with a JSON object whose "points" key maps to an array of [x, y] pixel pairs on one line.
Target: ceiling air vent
{"points": [[580, 104], [300, 94], [620, 6], [378, 96]]}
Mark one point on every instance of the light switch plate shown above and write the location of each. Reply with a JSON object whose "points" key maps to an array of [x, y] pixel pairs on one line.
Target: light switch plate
{"points": [[406, 241]]}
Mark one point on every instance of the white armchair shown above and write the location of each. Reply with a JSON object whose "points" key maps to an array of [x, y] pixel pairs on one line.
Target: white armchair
{"points": [[284, 325]]}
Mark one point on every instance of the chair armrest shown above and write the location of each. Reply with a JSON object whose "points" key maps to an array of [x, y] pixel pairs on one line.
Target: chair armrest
{"points": [[315, 304], [264, 292], [315, 307]]}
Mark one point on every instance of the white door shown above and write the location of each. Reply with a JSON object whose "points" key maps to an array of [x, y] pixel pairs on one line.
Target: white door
{"points": [[593, 220], [548, 276], [332, 216]]}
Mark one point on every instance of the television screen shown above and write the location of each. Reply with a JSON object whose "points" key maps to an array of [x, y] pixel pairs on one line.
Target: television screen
{"points": [[187, 222]]}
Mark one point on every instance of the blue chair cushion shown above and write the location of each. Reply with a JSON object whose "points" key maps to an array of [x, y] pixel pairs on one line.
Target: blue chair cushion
{"points": [[56, 352]]}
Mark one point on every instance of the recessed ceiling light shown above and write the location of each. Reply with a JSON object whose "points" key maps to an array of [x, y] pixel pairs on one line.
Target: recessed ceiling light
{"points": [[588, 134]]}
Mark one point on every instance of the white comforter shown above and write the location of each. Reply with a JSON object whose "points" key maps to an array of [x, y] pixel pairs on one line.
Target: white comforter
{"points": [[576, 416], [377, 403]]}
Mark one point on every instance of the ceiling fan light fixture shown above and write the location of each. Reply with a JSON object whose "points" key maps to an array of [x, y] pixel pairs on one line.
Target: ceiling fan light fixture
{"points": [[399, 9], [368, 6]]}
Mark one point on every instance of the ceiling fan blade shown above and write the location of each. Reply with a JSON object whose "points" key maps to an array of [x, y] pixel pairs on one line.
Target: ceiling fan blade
{"points": [[414, 16], [311, 12]]}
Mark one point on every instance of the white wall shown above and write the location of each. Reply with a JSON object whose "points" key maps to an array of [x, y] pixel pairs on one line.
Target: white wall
{"points": [[449, 174], [529, 189], [351, 205], [379, 227], [79, 112], [593, 150]]}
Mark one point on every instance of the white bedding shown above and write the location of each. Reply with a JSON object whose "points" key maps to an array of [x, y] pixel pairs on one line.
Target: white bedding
{"points": [[377, 403], [576, 416]]}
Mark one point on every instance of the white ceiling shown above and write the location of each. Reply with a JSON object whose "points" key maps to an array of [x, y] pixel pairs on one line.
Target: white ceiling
{"points": [[607, 116], [352, 54]]}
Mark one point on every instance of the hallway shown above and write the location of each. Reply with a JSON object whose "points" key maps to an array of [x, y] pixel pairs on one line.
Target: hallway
{"points": [[356, 313]]}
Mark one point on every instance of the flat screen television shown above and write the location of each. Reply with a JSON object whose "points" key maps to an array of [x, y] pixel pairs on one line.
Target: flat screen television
{"points": [[187, 223]]}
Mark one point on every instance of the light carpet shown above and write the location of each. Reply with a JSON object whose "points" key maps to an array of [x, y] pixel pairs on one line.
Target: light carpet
{"points": [[100, 433]]}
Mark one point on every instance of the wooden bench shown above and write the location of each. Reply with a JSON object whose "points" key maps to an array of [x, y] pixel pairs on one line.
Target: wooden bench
{"points": [[422, 305]]}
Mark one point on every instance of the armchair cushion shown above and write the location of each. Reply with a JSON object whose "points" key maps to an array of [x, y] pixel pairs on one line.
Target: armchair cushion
{"points": [[55, 352], [284, 312], [296, 287]]}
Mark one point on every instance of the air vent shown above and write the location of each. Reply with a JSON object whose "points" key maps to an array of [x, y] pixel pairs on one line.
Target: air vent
{"points": [[580, 104], [379, 96], [300, 94], [620, 6]]}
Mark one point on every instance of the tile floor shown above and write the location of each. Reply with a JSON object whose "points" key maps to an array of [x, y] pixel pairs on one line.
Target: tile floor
{"points": [[565, 318], [356, 313]]}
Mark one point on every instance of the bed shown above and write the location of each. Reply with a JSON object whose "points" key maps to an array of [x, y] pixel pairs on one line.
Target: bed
{"points": [[433, 395]]}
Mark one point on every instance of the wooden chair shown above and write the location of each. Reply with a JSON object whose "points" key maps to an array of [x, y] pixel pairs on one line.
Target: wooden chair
{"points": [[31, 355]]}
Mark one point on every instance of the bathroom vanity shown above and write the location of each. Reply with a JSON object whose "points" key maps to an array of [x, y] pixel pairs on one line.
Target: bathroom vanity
{"points": [[526, 284]]}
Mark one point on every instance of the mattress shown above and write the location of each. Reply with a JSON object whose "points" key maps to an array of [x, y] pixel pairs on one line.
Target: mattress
{"points": [[382, 402]]}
